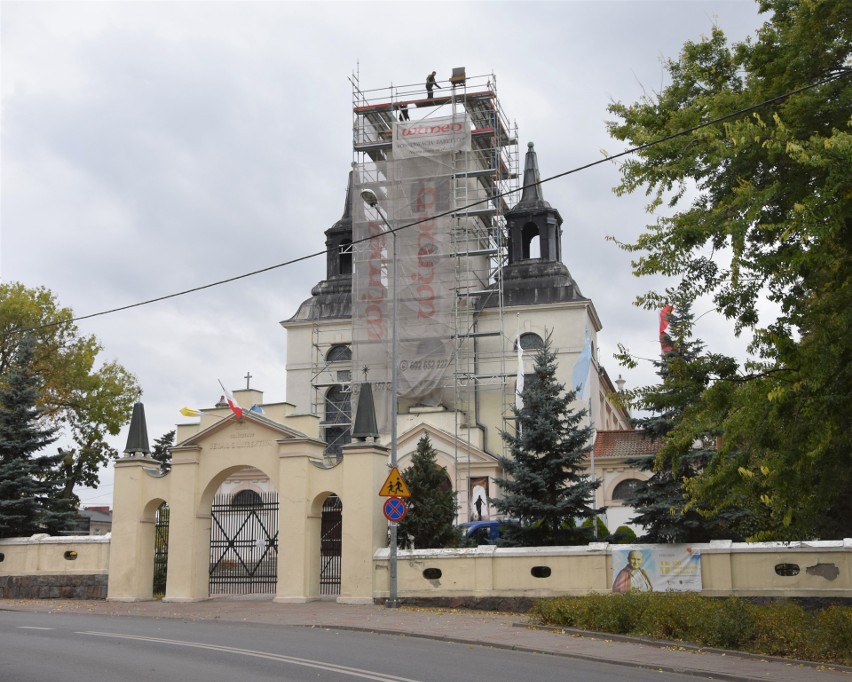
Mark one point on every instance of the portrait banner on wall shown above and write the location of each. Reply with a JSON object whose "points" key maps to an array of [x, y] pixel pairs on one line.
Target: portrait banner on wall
{"points": [[658, 568]]}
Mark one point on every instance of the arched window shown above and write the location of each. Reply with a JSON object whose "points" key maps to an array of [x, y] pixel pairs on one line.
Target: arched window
{"points": [[529, 233], [246, 498], [339, 353], [625, 489], [530, 341], [345, 257]]}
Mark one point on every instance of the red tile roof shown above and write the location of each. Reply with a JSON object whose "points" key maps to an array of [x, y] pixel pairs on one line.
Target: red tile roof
{"points": [[612, 444]]}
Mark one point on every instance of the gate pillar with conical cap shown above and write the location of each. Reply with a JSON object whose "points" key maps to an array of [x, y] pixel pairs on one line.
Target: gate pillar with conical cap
{"points": [[137, 438], [365, 416], [131, 577]]}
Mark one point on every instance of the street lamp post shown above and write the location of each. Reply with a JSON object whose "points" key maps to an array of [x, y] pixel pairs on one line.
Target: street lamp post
{"points": [[370, 198]]}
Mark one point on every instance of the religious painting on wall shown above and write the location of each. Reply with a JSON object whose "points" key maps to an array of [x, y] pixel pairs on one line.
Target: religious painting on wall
{"points": [[672, 568]]}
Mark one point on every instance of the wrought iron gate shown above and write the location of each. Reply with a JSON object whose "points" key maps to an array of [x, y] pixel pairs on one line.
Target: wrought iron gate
{"points": [[331, 542], [161, 549], [244, 543]]}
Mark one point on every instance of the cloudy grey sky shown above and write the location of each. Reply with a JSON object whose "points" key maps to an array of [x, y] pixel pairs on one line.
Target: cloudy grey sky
{"points": [[152, 147]]}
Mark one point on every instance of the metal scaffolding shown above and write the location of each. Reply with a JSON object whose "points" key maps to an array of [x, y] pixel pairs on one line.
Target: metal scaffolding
{"points": [[483, 178]]}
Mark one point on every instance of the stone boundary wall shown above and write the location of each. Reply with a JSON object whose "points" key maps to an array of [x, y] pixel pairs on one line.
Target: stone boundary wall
{"points": [[77, 568], [45, 567], [53, 587], [770, 569]]}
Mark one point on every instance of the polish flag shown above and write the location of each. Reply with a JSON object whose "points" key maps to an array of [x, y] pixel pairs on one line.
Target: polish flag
{"points": [[232, 402], [665, 340]]}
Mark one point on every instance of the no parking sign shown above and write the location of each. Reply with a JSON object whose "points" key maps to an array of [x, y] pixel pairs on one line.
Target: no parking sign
{"points": [[394, 509]]}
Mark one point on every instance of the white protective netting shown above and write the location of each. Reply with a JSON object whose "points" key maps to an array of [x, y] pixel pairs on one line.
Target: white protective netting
{"points": [[414, 188]]}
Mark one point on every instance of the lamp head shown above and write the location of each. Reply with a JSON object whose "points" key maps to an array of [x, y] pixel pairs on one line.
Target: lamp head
{"points": [[369, 197]]}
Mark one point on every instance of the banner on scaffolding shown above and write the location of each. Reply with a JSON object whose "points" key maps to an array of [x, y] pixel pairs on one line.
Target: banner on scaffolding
{"points": [[431, 137], [415, 196]]}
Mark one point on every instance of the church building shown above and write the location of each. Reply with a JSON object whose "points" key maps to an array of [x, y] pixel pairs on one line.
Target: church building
{"points": [[467, 266], [444, 276]]}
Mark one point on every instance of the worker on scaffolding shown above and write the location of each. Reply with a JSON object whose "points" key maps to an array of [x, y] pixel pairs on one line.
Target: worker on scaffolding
{"points": [[430, 83], [403, 112]]}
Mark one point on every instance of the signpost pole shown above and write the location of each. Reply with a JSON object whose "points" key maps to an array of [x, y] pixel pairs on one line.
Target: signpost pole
{"points": [[393, 600]]}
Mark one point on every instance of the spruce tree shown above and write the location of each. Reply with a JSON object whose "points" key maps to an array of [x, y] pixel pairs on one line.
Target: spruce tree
{"points": [[28, 500], [545, 490], [432, 505], [662, 505], [162, 451]]}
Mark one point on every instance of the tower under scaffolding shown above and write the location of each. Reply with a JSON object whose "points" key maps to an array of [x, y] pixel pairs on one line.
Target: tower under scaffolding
{"points": [[445, 247], [456, 188]]}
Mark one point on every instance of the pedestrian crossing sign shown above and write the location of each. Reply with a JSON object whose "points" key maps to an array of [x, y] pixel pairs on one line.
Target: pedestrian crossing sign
{"points": [[395, 485]]}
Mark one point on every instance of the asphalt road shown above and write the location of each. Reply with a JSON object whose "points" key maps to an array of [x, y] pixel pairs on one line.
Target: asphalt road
{"points": [[44, 647]]}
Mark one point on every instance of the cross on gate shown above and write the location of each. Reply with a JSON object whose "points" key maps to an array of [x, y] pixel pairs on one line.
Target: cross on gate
{"points": [[248, 379]]}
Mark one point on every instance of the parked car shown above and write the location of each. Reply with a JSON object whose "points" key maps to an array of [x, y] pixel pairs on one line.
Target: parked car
{"points": [[482, 532]]}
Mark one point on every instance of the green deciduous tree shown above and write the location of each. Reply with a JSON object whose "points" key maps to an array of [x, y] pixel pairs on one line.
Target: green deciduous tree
{"points": [[28, 501], [432, 505], [545, 490], [87, 402], [760, 209]]}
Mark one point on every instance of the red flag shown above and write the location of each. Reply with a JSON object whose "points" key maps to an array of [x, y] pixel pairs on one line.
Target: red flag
{"points": [[232, 403], [665, 341]]}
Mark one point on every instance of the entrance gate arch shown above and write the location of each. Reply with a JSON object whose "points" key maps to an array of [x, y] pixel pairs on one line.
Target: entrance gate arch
{"points": [[206, 454], [244, 543]]}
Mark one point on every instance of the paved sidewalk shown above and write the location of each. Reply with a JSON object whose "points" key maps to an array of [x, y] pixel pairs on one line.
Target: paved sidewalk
{"points": [[512, 631]]}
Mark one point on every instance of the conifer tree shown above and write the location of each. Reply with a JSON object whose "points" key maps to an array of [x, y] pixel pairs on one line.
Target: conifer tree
{"points": [[662, 505], [432, 505], [162, 451], [28, 499], [545, 490]]}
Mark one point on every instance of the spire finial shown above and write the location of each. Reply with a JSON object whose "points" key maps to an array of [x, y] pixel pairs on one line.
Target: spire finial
{"points": [[532, 196]]}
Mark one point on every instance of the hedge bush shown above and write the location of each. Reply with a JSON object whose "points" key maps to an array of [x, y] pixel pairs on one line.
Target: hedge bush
{"points": [[781, 628]]}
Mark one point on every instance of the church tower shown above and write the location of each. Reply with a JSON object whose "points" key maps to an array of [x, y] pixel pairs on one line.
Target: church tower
{"points": [[535, 272], [319, 335]]}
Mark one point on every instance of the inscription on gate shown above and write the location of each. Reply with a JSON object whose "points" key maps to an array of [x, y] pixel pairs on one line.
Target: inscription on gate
{"points": [[242, 439]]}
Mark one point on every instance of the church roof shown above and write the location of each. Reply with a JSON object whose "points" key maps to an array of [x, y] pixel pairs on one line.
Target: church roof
{"points": [[332, 297], [625, 444], [345, 222]]}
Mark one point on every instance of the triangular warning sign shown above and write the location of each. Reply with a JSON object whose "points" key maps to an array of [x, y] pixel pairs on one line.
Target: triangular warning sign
{"points": [[395, 486]]}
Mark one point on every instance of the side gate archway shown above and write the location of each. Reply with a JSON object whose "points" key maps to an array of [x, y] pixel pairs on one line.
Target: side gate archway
{"points": [[244, 543], [331, 546], [161, 550]]}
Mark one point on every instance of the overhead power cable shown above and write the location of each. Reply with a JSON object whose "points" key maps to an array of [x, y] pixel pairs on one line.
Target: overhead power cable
{"points": [[633, 150]]}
